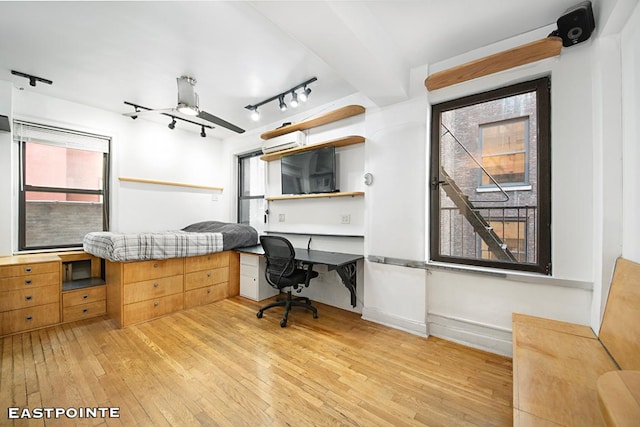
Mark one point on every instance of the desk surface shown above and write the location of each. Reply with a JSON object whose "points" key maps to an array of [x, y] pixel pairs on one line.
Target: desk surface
{"points": [[312, 256]]}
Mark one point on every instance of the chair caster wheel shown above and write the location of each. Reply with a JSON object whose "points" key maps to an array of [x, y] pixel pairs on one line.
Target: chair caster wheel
{"points": [[315, 315], [283, 323], [259, 315]]}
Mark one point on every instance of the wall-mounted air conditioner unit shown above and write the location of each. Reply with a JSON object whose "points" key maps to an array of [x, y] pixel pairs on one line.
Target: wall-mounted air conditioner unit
{"points": [[283, 142]]}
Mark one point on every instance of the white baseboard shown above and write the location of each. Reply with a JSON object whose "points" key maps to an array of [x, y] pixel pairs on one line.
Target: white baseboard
{"points": [[407, 325], [484, 337]]}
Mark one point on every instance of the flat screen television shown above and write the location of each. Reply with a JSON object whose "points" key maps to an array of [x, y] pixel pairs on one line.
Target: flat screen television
{"points": [[309, 172]]}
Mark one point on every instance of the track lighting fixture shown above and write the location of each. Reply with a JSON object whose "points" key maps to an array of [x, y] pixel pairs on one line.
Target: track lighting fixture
{"points": [[295, 98], [202, 133], [143, 110], [172, 125], [283, 106], [32, 79], [304, 95]]}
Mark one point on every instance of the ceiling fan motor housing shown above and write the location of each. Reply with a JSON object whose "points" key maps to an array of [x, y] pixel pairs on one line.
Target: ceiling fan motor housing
{"points": [[187, 96]]}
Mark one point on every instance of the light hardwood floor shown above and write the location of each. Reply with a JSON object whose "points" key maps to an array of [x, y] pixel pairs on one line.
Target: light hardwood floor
{"points": [[219, 365]]}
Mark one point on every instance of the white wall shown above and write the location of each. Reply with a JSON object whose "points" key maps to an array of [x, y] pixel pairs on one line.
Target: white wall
{"points": [[630, 42], [6, 174]]}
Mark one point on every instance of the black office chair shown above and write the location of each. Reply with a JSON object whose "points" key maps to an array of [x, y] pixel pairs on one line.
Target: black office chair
{"points": [[281, 272]]}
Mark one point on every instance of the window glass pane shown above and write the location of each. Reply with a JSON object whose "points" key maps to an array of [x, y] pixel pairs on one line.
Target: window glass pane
{"points": [[507, 168], [252, 212], [60, 167], [252, 174], [55, 219]]}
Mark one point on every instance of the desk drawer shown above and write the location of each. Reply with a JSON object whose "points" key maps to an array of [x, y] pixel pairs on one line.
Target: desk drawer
{"points": [[199, 279], [29, 269], [29, 318], [206, 295], [205, 262], [84, 311], [149, 289], [29, 281], [23, 298], [84, 296], [150, 309], [147, 270]]}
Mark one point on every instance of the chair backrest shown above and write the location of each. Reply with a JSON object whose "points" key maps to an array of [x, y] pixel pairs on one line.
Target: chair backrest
{"points": [[280, 257], [620, 331]]}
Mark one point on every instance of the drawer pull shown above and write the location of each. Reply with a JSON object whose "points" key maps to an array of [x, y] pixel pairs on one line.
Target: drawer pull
{"points": [[85, 310], [155, 303], [85, 296], [28, 298], [28, 318], [208, 291], [208, 274], [27, 270], [155, 284], [28, 282], [155, 265]]}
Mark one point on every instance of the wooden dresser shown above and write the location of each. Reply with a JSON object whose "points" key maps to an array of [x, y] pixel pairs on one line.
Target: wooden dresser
{"points": [[29, 292], [143, 290]]}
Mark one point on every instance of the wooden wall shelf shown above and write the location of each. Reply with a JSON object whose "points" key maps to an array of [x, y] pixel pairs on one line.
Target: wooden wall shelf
{"points": [[176, 184], [316, 196], [525, 54], [339, 142], [331, 116]]}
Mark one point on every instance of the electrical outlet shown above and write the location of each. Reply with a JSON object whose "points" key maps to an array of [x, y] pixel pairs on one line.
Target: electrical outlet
{"points": [[346, 219], [281, 218]]}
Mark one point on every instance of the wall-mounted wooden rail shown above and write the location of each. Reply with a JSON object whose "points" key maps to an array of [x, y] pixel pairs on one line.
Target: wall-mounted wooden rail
{"points": [[316, 195], [331, 116], [521, 55], [172, 183], [338, 142]]}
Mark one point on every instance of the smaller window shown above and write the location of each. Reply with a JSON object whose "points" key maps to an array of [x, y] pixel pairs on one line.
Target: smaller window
{"points": [[504, 151], [251, 189]]}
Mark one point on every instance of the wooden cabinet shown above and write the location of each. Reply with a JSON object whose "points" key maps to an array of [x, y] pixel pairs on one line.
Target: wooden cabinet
{"points": [[84, 294], [29, 292], [206, 279], [144, 290]]}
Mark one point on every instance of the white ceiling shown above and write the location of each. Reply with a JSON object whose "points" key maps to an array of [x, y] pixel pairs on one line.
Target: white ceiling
{"points": [[104, 53]]}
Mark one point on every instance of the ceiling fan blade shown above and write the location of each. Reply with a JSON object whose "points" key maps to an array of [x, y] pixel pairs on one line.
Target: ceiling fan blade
{"points": [[218, 121]]}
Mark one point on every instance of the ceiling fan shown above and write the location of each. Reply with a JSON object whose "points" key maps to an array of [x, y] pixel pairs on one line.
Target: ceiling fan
{"points": [[186, 110]]}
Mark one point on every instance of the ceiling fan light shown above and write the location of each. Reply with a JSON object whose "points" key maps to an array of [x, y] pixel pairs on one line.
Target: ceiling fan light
{"points": [[189, 110]]}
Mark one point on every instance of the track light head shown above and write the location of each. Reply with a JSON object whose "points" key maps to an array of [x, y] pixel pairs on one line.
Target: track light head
{"points": [[172, 125], [283, 106], [294, 99], [304, 95], [255, 114], [202, 133]]}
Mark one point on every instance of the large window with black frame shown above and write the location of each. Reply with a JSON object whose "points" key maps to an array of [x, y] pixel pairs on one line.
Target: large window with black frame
{"points": [[490, 192], [251, 189], [63, 185]]}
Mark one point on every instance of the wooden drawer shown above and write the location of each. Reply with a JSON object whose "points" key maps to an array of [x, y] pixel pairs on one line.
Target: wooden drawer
{"points": [[206, 295], [84, 296], [29, 318], [209, 261], [29, 269], [84, 311], [29, 281], [23, 298], [146, 310], [148, 289], [199, 279], [147, 270]]}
